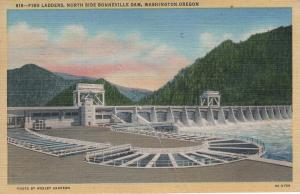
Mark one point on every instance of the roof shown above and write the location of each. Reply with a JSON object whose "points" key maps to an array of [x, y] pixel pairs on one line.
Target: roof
{"points": [[210, 93]]}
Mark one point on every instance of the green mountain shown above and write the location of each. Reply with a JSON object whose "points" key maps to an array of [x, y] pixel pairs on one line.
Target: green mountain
{"points": [[112, 95], [32, 85], [135, 94], [253, 72], [257, 71]]}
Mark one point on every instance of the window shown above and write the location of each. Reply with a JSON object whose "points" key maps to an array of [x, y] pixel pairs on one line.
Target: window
{"points": [[36, 114], [46, 114], [106, 116], [68, 114], [55, 114], [98, 116]]}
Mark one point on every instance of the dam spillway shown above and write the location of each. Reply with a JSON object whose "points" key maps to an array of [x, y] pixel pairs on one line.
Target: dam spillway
{"points": [[93, 115], [197, 115], [89, 109]]}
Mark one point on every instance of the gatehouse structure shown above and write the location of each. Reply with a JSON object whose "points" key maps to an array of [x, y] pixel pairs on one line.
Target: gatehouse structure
{"points": [[210, 98], [93, 92]]}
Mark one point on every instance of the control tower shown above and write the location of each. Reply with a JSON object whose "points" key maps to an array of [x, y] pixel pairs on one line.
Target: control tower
{"points": [[93, 92], [87, 97], [210, 99]]}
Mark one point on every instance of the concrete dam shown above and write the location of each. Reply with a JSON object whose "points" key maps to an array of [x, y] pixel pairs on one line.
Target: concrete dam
{"points": [[60, 117], [190, 115], [89, 109]]}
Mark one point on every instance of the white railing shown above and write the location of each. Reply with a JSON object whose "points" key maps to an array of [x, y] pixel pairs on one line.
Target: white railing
{"points": [[179, 135], [108, 151], [74, 146], [255, 141], [168, 150], [66, 140]]}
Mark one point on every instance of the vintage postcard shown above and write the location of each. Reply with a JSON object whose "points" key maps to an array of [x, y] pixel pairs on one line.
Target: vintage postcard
{"points": [[149, 96]]}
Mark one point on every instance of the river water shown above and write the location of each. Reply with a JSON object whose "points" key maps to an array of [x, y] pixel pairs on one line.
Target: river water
{"points": [[276, 134]]}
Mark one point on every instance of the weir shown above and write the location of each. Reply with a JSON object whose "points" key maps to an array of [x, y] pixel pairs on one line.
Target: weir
{"points": [[256, 114], [186, 115], [248, 114], [90, 110]]}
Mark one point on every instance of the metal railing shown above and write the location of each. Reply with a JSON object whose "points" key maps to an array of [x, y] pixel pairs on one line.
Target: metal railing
{"points": [[258, 142], [108, 151], [160, 163], [168, 150], [65, 140], [142, 130], [55, 146]]}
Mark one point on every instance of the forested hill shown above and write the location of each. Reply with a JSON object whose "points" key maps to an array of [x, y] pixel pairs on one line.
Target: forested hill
{"points": [[32, 85], [135, 94], [257, 71]]}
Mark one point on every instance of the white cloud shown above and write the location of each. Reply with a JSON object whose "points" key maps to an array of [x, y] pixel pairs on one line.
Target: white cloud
{"points": [[23, 36], [247, 34], [102, 55], [209, 40]]}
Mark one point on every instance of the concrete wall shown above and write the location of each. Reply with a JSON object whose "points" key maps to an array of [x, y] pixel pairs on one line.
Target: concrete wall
{"points": [[187, 115], [199, 116]]}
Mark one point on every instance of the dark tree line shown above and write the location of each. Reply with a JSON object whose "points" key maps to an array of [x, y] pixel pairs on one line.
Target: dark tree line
{"points": [[253, 72]]}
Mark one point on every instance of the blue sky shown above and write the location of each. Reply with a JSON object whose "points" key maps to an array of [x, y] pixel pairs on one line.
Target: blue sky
{"points": [[190, 33]]}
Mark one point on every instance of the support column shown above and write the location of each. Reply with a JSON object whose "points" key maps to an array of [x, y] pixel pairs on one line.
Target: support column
{"points": [[248, 114], [78, 99], [264, 114], [289, 111], [170, 116], [241, 116], [231, 116], [221, 116], [115, 110], [210, 116], [198, 117], [15, 121], [184, 117], [88, 114], [27, 122], [61, 115], [283, 112], [271, 113], [134, 115], [256, 114], [219, 101], [277, 113], [114, 115], [153, 116], [103, 98], [74, 99]]}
